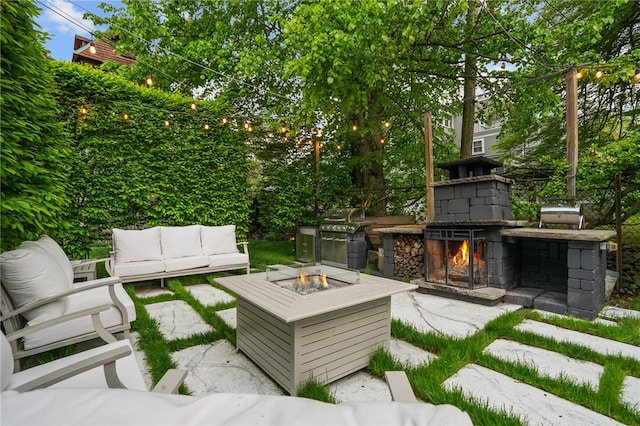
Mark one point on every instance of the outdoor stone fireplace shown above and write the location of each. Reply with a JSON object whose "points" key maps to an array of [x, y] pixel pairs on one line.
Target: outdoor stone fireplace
{"points": [[474, 250]]}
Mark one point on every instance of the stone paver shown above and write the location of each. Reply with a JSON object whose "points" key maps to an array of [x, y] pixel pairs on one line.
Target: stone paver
{"points": [[409, 355], [218, 367], [229, 316], [208, 295], [177, 319], [547, 363], [532, 405], [450, 317], [360, 386], [616, 312], [150, 290], [631, 392], [598, 344]]}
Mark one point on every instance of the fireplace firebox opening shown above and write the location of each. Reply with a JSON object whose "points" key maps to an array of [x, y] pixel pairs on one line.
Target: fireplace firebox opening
{"points": [[456, 257]]}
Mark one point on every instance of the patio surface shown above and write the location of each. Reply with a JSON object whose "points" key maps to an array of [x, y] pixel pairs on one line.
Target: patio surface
{"points": [[218, 367]]}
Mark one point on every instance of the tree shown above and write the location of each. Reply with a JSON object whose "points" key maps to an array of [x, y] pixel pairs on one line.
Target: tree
{"points": [[34, 148]]}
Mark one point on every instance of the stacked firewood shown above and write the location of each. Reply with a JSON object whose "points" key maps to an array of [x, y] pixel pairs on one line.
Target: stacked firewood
{"points": [[408, 256]]}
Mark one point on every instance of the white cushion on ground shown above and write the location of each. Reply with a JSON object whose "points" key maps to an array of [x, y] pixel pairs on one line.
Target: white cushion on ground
{"points": [[137, 245], [219, 239], [117, 406], [53, 248], [79, 326], [228, 259], [180, 241], [29, 275], [180, 263], [138, 268], [128, 371]]}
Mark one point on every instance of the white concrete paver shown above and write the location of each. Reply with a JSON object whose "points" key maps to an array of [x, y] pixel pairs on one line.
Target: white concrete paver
{"points": [[177, 319], [631, 392], [616, 312], [208, 295], [409, 355], [450, 317], [547, 363], [598, 344], [229, 316], [532, 405], [360, 386], [150, 290], [218, 367]]}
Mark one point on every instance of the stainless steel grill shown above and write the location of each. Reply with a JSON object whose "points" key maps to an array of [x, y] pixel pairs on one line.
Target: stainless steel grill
{"points": [[342, 238]]}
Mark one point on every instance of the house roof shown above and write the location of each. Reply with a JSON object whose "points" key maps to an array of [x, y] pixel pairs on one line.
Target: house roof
{"points": [[104, 52]]}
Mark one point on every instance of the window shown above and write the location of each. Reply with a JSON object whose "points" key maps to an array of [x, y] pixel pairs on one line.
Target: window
{"points": [[478, 146], [447, 122]]}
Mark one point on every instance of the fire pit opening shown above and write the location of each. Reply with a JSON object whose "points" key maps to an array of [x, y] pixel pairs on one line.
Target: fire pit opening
{"points": [[311, 278], [456, 257]]}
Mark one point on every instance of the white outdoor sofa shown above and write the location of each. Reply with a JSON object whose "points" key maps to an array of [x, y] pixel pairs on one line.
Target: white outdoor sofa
{"points": [[172, 251]]}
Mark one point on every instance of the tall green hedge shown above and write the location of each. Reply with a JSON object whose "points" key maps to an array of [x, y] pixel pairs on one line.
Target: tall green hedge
{"points": [[33, 162], [137, 172]]}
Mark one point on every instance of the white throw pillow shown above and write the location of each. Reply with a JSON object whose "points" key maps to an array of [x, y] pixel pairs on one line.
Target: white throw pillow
{"points": [[180, 241], [219, 239], [53, 248], [137, 245], [29, 275]]}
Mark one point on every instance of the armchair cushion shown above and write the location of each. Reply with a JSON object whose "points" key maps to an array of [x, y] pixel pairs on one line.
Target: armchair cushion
{"points": [[219, 239], [77, 302], [48, 245], [137, 245], [180, 241], [29, 275]]}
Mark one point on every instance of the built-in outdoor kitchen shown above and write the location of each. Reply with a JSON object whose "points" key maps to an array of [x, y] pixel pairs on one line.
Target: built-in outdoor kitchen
{"points": [[474, 250]]}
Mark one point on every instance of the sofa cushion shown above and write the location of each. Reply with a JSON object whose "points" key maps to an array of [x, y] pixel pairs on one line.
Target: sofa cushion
{"points": [[180, 263], [241, 259], [53, 248], [137, 245], [29, 275], [219, 239], [180, 241], [138, 268], [79, 326]]}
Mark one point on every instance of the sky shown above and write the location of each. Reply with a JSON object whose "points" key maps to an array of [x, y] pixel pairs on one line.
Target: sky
{"points": [[62, 20]]}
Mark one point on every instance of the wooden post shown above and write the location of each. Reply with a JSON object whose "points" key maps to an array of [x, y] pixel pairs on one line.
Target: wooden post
{"points": [[572, 130], [316, 152], [428, 160], [618, 202]]}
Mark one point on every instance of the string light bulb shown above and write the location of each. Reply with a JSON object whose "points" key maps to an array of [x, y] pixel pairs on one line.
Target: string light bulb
{"points": [[149, 81], [207, 126], [386, 124], [270, 135], [283, 129], [599, 73], [636, 76], [354, 127], [225, 121], [125, 116], [381, 141], [339, 147], [92, 48], [193, 106], [167, 122], [579, 74], [84, 110]]}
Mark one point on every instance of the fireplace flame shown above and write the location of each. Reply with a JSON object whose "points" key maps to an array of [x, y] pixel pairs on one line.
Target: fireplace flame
{"points": [[462, 256]]}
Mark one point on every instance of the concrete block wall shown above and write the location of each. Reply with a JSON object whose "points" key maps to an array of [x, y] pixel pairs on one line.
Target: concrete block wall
{"points": [[487, 200], [543, 264], [586, 292], [501, 256]]}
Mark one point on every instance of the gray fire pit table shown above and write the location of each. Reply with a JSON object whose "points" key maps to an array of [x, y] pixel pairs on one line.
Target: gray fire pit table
{"points": [[323, 335]]}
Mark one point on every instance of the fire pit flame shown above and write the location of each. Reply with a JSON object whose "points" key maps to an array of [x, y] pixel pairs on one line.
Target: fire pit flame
{"points": [[318, 280], [462, 256]]}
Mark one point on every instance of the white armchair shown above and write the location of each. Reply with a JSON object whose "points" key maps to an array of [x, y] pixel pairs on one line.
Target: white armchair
{"points": [[37, 286]]}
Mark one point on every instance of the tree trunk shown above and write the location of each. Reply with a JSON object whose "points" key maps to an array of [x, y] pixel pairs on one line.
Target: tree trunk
{"points": [[469, 101]]}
